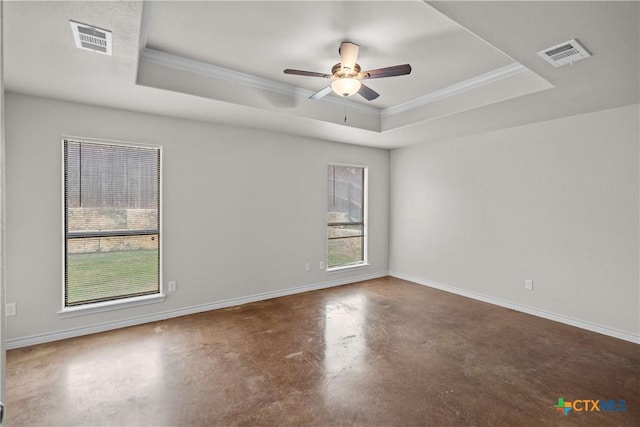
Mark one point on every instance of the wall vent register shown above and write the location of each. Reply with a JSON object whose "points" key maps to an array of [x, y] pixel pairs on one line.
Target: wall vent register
{"points": [[92, 38], [564, 53]]}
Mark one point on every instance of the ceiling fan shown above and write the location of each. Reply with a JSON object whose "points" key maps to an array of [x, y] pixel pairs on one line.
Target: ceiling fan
{"points": [[347, 75]]}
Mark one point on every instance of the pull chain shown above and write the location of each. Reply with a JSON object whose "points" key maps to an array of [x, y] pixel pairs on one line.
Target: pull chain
{"points": [[345, 110]]}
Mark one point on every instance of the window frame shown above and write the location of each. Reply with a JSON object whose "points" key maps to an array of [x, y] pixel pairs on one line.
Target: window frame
{"points": [[365, 222], [124, 302]]}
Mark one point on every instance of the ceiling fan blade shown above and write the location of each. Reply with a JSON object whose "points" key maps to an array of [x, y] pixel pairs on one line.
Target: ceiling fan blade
{"points": [[306, 73], [321, 93], [396, 70], [348, 56], [367, 93]]}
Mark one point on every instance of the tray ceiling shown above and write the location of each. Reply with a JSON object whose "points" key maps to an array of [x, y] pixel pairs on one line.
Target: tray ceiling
{"points": [[475, 64]]}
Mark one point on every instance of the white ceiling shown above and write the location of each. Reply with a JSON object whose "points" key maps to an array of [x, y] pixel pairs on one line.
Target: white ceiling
{"points": [[475, 64], [255, 39]]}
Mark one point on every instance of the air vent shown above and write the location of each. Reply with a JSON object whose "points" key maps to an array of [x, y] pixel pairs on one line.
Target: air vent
{"points": [[91, 38], [564, 53]]}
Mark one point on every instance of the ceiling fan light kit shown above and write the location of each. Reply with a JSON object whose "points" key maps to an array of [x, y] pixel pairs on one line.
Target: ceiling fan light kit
{"points": [[346, 86], [347, 75]]}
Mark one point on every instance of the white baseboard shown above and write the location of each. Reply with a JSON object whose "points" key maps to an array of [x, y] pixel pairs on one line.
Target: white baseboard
{"points": [[138, 320], [593, 327]]}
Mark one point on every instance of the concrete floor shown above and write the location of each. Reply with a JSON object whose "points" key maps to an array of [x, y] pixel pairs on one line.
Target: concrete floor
{"points": [[379, 353]]}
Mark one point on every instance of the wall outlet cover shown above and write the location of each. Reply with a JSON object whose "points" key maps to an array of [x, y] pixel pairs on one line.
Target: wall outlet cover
{"points": [[10, 309]]}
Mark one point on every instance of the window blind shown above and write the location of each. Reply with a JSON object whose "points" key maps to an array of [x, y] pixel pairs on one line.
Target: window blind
{"points": [[111, 221], [345, 215]]}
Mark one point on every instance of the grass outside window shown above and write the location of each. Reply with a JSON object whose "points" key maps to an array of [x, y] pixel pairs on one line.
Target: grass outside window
{"points": [[102, 276]]}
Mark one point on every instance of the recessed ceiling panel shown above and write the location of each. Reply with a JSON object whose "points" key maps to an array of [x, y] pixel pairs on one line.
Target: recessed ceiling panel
{"points": [[459, 84], [263, 38]]}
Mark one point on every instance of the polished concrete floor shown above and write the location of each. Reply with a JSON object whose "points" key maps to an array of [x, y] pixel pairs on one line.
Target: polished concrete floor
{"points": [[379, 353]]}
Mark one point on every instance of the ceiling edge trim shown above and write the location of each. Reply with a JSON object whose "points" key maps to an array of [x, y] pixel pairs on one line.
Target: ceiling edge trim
{"points": [[190, 65], [142, 40], [144, 25], [456, 89]]}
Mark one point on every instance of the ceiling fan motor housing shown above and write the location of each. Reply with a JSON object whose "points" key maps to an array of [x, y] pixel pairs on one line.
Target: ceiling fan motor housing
{"points": [[339, 73]]}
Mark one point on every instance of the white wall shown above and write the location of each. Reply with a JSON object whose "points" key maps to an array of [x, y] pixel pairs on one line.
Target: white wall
{"points": [[2, 216], [556, 202], [243, 210]]}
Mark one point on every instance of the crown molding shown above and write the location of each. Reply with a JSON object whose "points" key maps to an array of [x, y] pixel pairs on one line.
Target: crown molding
{"points": [[456, 89], [178, 62], [249, 80]]}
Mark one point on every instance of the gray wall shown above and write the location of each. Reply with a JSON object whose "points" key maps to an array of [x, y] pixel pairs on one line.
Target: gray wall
{"points": [[3, 358], [556, 202], [243, 210]]}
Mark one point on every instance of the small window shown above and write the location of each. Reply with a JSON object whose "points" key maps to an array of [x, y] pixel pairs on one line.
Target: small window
{"points": [[346, 216], [111, 222]]}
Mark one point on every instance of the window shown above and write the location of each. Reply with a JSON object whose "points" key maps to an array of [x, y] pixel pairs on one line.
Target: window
{"points": [[111, 222], [346, 216]]}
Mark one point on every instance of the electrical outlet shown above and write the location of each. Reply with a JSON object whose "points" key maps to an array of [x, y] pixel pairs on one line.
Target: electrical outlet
{"points": [[10, 309], [321, 265], [173, 286], [528, 284], [307, 266]]}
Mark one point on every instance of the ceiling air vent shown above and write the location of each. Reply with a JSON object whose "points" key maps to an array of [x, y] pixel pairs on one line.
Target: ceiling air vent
{"points": [[564, 53], [91, 38]]}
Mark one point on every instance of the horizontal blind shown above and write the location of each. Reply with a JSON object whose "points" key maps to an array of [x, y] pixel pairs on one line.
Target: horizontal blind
{"points": [[112, 218], [345, 215]]}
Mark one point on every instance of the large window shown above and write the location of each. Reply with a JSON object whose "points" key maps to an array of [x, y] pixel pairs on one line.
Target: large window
{"points": [[346, 216], [111, 222]]}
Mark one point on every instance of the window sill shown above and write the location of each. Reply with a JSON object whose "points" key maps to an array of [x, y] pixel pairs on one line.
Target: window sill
{"points": [[100, 307], [350, 267]]}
